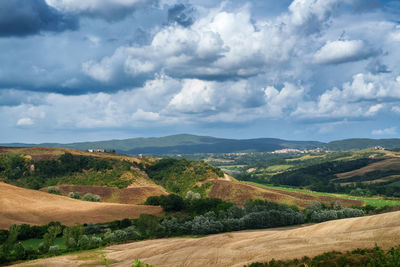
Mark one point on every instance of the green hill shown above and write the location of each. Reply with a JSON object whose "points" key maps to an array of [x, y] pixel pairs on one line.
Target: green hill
{"points": [[362, 143], [186, 144]]}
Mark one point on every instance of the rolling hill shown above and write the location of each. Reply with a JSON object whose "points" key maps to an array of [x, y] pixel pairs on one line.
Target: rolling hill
{"points": [[245, 247], [20, 205], [160, 176], [190, 144], [185, 144]]}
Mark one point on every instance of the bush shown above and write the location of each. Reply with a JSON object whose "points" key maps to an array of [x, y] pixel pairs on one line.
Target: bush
{"points": [[131, 233], [110, 237], [95, 241], [74, 195], [54, 250], [53, 190], [83, 242], [91, 197], [120, 235]]}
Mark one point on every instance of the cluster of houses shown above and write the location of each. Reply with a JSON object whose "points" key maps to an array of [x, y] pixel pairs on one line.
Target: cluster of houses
{"points": [[93, 150]]}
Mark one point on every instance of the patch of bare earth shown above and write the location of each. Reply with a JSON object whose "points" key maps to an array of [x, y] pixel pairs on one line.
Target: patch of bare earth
{"points": [[20, 205], [245, 247], [239, 192]]}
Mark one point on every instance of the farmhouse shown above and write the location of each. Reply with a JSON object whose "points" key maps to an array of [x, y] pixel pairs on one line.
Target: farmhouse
{"points": [[91, 150]]}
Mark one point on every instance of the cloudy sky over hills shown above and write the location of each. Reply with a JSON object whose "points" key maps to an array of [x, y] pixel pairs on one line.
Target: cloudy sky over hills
{"points": [[73, 70]]}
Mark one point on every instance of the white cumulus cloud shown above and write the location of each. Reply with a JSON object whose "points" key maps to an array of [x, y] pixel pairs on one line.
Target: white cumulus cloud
{"points": [[338, 52]]}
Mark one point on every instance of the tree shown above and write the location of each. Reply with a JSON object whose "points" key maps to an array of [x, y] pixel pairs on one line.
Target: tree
{"points": [[147, 225], [12, 238], [49, 238]]}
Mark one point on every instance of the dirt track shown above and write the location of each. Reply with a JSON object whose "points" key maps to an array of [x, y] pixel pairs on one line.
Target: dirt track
{"points": [[20, 205], [240, 248]]}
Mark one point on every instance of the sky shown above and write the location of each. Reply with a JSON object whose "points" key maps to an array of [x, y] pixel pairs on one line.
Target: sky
{"points": [[73, 70]]}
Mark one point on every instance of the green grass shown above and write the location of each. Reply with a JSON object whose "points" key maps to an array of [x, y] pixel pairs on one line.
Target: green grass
{"points": [[373, 201], [36, 242], [277, 168]]}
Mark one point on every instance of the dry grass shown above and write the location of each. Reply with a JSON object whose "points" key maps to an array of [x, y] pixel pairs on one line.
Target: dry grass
{"points": [[240, 248], [20, 205], [130, 195], [239, 192]]}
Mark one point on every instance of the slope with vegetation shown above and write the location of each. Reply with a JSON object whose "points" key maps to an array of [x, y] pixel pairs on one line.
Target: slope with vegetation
{"points": [[246, 247], [121, 179]]}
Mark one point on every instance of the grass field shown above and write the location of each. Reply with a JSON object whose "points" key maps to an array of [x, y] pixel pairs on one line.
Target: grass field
{"points": [[373, 201], [36, 242]]}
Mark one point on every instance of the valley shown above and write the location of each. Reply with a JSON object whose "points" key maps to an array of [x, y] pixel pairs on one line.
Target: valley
{"points": [[230, 195], [242, 248]]}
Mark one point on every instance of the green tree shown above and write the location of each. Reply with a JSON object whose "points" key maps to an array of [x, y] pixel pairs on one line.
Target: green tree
{"points": [[12, 238]]}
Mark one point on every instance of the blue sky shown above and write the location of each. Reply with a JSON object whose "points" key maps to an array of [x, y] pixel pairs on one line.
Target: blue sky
{"points": [[73, 70]]}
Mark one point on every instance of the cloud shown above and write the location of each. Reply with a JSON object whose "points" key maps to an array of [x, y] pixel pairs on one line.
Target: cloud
{"points": [[111, 10], [365, 96], [22, 18], [338, 52], [311, 15], [25, 122], [279, 101], [219, 46], [386, 131], [141, 115], [181, 14]]}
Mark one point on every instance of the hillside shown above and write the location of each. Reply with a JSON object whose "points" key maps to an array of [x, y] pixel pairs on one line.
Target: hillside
{"points": [[20, 205], [186, 144], [133, 183], [245, 247], [191, 144], [238, 193], [362, 143]]}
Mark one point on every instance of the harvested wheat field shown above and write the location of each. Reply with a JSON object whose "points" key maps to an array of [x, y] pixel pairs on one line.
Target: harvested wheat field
{"points": [[240, 248], [130, 195], [20, 205], [239, 192]]}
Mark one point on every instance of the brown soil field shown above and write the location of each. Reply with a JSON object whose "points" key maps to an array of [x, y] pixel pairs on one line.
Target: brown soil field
{"points": [[41, 153], [20, 205], [130, 195], [245, 247], [239, 192], [387, 164]]}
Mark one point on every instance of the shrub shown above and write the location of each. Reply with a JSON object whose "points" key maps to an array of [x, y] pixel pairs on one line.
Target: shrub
{"points": [[83, 242], [74, 195], [192, 195], [131, 233], [91, 197], [53, 190], [120, 235], [95, 241], [54, 250], [110, 237], [20, 252]]}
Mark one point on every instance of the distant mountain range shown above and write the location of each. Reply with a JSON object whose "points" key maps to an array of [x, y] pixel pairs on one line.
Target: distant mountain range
{"points": [[190, 144]]}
